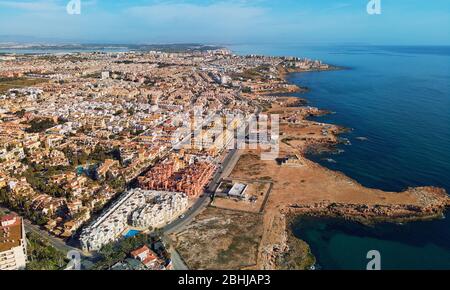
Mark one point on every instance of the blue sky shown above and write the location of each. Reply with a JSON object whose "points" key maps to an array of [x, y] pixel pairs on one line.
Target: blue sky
{"points": [[230, 22]]}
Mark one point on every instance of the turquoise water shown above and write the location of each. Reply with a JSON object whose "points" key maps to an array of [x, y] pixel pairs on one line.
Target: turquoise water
{"points": [[399, 99], [131, 233], [341, 245]]}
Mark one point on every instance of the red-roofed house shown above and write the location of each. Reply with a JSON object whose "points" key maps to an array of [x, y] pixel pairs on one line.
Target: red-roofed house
{"points": [[146, 256]]}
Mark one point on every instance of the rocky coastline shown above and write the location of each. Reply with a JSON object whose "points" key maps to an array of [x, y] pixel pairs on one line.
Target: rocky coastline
{"points": [[432, 203], [435, 202]]}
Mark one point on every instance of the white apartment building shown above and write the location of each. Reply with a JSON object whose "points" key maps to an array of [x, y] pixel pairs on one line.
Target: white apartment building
{"points": [[158, 209], [13, 247], [137, 208]]}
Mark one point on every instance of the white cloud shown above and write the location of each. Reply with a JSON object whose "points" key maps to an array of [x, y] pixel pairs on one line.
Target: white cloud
{"points": [[43, 5], [184, 21], [214, 13]]}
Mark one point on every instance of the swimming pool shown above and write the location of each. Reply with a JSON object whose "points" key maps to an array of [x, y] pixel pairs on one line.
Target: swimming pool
{"points": [[131, 233]]}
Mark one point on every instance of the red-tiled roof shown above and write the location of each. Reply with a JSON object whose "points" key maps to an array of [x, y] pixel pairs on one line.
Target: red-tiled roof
{"points": [[150, 258], [139, 251]]}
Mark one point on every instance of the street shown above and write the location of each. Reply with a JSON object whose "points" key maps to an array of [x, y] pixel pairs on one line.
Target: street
{"points": [[55, 242], [223, 171]]}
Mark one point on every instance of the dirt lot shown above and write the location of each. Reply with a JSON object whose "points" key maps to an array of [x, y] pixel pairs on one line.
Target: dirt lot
{"points": [[313, 183], [223, 239], [13, 83], [304, 185], [220, 240], [259, 190]]}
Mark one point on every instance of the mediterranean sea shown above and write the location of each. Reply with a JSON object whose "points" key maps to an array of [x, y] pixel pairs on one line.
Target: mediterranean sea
{"points": [[397, 101]]}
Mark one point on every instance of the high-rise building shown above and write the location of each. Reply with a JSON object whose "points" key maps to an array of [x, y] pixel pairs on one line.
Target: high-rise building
{"points": [[13, 247]]}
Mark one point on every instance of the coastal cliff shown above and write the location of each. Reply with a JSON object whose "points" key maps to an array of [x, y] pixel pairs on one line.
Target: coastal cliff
{"points": [[288, 252], [433, 203], [305, 188]]}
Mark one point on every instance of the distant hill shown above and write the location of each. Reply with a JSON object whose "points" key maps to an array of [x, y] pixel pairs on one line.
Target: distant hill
{"points": [[17, 43]]}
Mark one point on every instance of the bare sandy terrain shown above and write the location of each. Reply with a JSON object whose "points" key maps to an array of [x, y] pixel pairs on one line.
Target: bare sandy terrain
{"points": [[259, 190], [220, 240], [225, 239], [313, 183], [309, 188]]}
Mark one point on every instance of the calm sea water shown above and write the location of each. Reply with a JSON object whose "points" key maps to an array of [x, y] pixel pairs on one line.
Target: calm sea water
{"points": [[399, 99]]}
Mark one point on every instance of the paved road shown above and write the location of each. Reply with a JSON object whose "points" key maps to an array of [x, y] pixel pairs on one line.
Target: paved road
{"points": [[203, 201], [224, 170], [55, 242], [177, 261], [200, 204]]}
